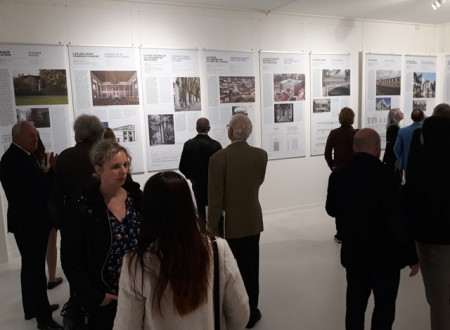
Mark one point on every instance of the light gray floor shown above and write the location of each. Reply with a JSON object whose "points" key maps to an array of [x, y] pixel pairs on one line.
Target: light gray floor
{"points": [[302, 284]]}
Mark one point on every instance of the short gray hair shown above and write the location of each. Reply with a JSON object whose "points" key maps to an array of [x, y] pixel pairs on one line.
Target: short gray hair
{"points": [[242, 126], [104, 150], [17, 128], [88, 128]]}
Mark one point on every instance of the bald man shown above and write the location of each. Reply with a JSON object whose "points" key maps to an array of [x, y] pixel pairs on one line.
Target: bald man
{"points": [[194, 162], [376, 244]]}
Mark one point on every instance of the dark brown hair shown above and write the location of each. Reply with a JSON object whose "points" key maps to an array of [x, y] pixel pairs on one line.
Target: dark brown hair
{"points": [[346, 116], [169, 230]]}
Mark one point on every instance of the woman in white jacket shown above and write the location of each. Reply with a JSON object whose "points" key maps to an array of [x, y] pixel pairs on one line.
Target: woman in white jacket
{"points": [[167, 282]]}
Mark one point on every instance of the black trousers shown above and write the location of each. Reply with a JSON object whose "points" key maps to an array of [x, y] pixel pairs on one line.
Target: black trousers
{"points": [[383, 282], [32, 245], [246, 252], [102, 318], [201, 198]]}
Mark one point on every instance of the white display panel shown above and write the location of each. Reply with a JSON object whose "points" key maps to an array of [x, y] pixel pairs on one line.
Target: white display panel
{"points": [[105, 83], [172, 103], [33, 85], [382, 90], [420, 85], [330, 92], [283, 93], [231, 85]]}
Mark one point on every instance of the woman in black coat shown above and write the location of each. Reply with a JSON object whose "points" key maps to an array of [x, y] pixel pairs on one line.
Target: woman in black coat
{"points": [[102, 228]]}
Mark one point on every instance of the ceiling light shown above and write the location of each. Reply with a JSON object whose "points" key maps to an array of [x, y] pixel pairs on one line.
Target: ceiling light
{"points": [[437, 4]]}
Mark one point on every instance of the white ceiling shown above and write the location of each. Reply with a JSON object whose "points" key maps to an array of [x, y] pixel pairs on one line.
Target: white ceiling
{"points": [[412, 11]]}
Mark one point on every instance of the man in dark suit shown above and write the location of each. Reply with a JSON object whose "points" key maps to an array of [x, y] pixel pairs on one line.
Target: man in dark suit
{"points": [[376, 242], [25, 187], [194, 162], [235, 175]]}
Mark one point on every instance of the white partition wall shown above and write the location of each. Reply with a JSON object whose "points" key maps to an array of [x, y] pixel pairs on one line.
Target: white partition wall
{"points": [[290, 183]]}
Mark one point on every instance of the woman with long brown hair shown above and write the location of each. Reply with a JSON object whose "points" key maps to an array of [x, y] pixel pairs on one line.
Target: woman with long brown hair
{"points": [[167, 282]]}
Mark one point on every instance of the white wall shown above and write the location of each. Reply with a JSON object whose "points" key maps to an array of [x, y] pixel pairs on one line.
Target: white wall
{"points": [[290, 183]]}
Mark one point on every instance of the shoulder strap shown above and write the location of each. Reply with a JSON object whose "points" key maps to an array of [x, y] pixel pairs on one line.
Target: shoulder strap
{"points": [[216, 284]]}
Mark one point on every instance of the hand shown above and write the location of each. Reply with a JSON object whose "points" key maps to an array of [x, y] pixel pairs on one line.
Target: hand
{"points": [[45, 163], [414, 270], [52, 159], [108, 298]]}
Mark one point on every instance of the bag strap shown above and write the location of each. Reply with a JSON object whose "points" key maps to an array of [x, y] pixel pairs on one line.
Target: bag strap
{"points": [[216, 284]]}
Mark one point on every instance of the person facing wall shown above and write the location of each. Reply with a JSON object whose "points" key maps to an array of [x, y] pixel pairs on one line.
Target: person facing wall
{"points": [[339, 149]]}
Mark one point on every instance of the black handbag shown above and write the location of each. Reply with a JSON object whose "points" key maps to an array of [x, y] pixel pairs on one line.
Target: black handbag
{"points": [[216, 284]]}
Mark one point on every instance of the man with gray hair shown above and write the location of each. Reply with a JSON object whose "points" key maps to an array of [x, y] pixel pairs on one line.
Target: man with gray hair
{"points": [[73, 171], [235, 175], [25, 186], [72, 174]]}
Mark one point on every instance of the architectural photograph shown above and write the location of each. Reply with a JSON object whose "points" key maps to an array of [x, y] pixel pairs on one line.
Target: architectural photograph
{"points": [[388, 82], [114, 88], [321, 105], [161, 129], [383, 103], [186, 94], [283, 112], [237, 89], [46, 86], [424, 85], [335, 82], [289, 87]]}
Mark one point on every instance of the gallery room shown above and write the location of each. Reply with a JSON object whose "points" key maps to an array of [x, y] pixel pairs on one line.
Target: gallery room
{"points": [[150, 69]]}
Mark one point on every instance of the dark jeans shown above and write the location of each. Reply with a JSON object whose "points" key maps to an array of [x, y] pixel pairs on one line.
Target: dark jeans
{"points": [[383, 282], [32, 245], [246, 252]]}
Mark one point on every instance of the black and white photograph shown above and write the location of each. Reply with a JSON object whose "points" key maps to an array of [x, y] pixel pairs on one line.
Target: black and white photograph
{"points": [[114, 88], [424, 84], [237, 89], [388, 82], [161, 129], [39, 116], [42, 86], [186, 94], [419, 104], [383, 103], [124, 133], [335, 82], [321, 105], [239, 109], [283, 112], [288, 87]]}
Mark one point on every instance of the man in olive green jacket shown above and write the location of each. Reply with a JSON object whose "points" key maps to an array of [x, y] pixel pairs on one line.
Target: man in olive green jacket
{"points": [[235, 175]]}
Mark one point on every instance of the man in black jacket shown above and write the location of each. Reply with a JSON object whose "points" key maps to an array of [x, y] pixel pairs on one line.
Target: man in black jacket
{"points": [[25, 187], [194, 162], [376, 243]]}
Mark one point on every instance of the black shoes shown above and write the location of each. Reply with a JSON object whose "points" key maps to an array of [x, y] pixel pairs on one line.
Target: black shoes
{"points": [[253, 319], [51, 285], [50, 325], [53, 308]]}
